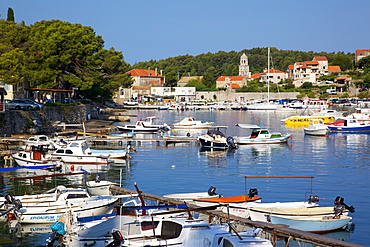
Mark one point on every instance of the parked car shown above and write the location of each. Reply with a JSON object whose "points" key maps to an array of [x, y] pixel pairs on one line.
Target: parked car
{"points": [[33, 103], [20, 104]]}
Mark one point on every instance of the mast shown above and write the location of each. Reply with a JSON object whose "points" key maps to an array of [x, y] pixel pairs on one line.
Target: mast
{"points": [[268, 74]]}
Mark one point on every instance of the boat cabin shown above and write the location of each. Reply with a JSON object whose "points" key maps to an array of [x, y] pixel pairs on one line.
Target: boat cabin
{"points": [[263, 133]]}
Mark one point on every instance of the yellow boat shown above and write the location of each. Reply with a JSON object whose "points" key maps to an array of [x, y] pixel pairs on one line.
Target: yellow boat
{"points": [[304, 121]]}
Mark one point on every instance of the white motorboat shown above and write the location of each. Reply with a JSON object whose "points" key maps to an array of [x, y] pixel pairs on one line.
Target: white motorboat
{"points": [[191, 123], [144, 126], [36, 157], [264, 214], [189, 197], [316, 127], [216, 139], [260, 136], [49, 206], [79, 153], [313, 223]]}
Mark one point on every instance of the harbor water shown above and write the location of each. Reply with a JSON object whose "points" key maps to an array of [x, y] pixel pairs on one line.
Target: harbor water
{"points": [[339, 163]]}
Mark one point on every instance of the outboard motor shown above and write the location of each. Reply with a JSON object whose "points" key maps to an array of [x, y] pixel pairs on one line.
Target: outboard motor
{"points": [[97, 178], [231, 142], [212, 191], [313, 199], [117, 239], [18, 204], [340, 201], [9, 199], [252, 193]]}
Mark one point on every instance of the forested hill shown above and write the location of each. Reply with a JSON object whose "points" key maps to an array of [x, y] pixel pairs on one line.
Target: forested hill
{"points": [[227, 63]]}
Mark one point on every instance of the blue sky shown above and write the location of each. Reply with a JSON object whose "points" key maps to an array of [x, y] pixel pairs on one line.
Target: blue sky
{"points": [[147, 29]]}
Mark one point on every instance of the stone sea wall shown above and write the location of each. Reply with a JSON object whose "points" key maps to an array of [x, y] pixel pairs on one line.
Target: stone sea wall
{"points": [[13, 122]]}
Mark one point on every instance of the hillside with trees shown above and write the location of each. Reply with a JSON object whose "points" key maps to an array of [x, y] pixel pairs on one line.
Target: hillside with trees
{"points": [[60, 55], [227, 63]]}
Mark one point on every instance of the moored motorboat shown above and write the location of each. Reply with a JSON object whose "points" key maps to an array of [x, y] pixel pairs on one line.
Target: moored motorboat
{"points": [[260, 136], [313, 223], [217, 139], [78, 152], [350, 125], [49, 206], [188, 197], [316, 128], [264, 214], [191, 123], [144, 126], [239, 200]]}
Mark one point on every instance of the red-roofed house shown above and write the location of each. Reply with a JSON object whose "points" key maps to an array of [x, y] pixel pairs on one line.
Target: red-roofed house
{"points": [[274, 76], [361, 54], [334, 69], [323, 64], [144, 80], [226, 81], [308, 71]]}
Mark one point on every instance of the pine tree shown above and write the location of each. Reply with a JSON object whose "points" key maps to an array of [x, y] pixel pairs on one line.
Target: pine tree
{"points": [[10, 16]]}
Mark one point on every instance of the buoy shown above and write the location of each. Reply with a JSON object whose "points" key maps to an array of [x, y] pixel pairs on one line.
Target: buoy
{"points": [[73, 168]]}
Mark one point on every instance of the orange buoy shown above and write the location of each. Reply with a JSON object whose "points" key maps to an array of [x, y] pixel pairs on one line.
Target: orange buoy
{"points": [[73, 168]]}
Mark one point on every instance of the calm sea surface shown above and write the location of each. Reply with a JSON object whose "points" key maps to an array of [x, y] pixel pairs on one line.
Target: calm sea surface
{"points": [[340, 164]]}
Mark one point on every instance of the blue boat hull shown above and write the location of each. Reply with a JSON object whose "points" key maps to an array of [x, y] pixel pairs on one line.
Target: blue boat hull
{"points": [[365, 128]]}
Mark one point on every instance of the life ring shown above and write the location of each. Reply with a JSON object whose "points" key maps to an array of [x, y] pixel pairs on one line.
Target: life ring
{"points": [[73, 168]]}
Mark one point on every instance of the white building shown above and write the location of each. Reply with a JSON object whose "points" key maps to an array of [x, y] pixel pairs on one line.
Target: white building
{"points": [[273, 76]]}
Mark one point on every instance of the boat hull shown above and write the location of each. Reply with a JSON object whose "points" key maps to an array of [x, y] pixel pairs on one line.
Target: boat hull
{"points": [[250, 141], [316, 132], [356, 129], [212, 144], [313, 224], [45, 215]]}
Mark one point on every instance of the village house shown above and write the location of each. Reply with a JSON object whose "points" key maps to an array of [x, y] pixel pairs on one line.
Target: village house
{"points": [[144, 80], [310, 71], [361, 54], [273, 76], [186, 79]]}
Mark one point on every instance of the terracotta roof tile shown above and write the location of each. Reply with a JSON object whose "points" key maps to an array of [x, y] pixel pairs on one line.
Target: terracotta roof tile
{"points": [[232, 78], [361, 52], [334, 68], [320, 59], [311, 63], [234, 85], [143, 72]]}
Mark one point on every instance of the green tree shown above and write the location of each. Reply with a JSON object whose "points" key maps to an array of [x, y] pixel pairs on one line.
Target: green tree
{"points": [[10, 15], [344, 61], [197, 84], [306, 85], [209, 79]]}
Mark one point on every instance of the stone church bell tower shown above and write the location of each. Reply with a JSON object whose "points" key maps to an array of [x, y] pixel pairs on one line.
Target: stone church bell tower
{"points": [[244, 67]]}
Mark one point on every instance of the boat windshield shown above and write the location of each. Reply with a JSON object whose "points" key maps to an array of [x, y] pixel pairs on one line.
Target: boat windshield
{"points": [[215, 132]]}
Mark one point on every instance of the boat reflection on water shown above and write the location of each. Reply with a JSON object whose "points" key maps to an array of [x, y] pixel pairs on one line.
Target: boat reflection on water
{"points": [[216, 152], [263, 149], [216, 157]]}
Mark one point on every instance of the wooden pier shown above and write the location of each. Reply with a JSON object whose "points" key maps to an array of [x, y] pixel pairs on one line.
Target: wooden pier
{"points": [[276, 232]]}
